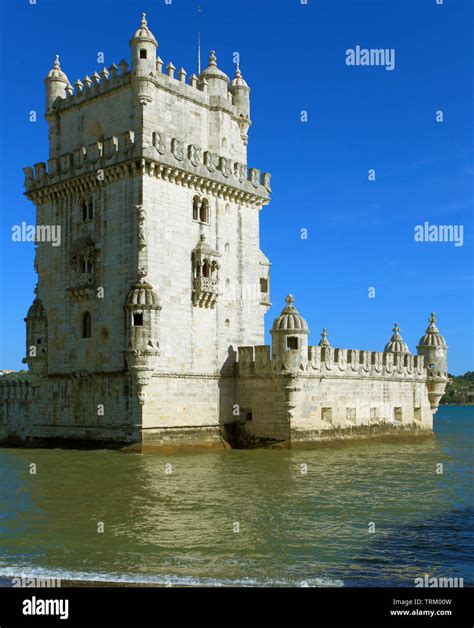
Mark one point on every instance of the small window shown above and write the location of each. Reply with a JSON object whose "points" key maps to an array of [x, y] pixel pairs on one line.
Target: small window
{"points": [[292, 343], [227, 322], [417, 414], [138, 319], [206, 268], [248, 416], [397, 414], [263, 285], [87, 266], [87, 210], [196, 204], [326, 414], [374, 413], [227, 247], [38, 341], [204, 211], [86, 325], [142, 54], [201, 209], [351, 414]]}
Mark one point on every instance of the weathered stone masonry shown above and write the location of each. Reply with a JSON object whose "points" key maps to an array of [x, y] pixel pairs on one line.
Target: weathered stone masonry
{"points": [[147, 325]]}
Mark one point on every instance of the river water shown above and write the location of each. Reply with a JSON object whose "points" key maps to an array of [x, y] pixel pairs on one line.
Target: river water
{"points": [[360, 514]]}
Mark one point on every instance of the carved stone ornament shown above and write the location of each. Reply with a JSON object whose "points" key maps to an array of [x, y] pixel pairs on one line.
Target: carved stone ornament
{"points": [[211, 160], [225, 166], [194, 154], [158, 142], [177, 148]]}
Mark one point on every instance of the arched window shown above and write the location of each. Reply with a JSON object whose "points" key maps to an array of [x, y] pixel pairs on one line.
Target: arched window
{"points": [[224, 143], [227, 247], [86, 325], [196, 203], [204, 211], [205, 268], [87, 209]]}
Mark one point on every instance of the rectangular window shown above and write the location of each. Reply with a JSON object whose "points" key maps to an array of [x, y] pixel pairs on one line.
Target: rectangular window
{"points": [[292, 343], [138, 319], [326, 414], [374, 413], [248, 416], [142, 54], [417, 414], [263, 285], [397, 414]]}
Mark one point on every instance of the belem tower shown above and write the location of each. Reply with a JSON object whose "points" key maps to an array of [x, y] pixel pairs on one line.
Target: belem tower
{"points": [[147, 327]]}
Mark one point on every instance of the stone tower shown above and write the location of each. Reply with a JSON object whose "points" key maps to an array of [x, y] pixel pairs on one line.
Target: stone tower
{"points": [[159, 275], [433, 348], [147, 325]]}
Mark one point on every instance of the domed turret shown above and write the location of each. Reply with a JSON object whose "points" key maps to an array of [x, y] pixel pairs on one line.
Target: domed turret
{"points": [[396, 343], [217, 80], [241, 93], [56, 83], [36, 338], [290, 338], [142, 295], [142, 309], [144, 46], [433, 348]]}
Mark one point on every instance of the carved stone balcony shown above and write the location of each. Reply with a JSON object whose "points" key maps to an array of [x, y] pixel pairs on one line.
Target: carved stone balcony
{"points": [[82, 286], [205, 291]]}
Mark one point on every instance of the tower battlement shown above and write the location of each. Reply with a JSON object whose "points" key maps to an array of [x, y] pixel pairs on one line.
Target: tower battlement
{"points": [[158, 156], [165, 77], [332, 362]]}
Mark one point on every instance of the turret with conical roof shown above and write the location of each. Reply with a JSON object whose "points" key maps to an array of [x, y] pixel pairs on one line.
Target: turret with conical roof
{"points": [[396, 343], [290, 339], [56, 83], [144, 46]]}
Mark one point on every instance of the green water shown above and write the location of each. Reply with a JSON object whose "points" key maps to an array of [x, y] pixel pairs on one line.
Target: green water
{"points": [[295, 528]]}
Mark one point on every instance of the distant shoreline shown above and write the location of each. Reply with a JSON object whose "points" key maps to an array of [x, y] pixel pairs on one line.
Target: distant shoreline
{"points": [[469, 403]]}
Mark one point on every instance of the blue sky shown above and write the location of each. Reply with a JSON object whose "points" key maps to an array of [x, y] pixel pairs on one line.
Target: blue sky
{"points": [[360, 232]]}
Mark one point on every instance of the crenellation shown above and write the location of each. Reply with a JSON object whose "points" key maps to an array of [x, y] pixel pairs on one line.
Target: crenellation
{"points": [[203, 163]]}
